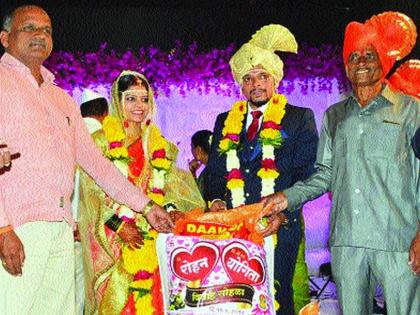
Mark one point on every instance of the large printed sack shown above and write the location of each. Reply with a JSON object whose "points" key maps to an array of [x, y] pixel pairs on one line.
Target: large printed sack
{"points": [[218, 269]]}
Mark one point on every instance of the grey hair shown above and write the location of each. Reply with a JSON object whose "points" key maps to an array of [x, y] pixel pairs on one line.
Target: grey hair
{"points": [[7, 22], [8, 18]]}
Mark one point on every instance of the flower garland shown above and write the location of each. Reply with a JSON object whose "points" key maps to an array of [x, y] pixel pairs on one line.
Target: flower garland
{"points": [[134, 156], [115, 136], [228, 145], [161, 165], [270, 138], [144, 293]]}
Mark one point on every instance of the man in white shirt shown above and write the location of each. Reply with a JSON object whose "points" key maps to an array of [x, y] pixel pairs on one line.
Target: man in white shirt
{"points": [[94, 108]]}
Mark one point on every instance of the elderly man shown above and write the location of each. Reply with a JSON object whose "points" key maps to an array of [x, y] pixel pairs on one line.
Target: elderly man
{"points": [[263, 145], [94, 109], [366, 160], [45, 126]]}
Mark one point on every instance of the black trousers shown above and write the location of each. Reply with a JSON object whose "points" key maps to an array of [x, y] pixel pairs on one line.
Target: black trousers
{"points": [[285, 255]]}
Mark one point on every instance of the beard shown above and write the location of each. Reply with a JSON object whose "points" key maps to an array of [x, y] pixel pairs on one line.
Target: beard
{"points": [[258, 104]]}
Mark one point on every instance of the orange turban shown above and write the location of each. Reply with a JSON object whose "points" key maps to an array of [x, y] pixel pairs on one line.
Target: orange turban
{"points": [[407, 78], [393, 34]]}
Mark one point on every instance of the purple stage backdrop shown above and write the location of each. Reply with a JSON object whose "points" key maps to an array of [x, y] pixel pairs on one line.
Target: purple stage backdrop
{"points": [[193, 87]]}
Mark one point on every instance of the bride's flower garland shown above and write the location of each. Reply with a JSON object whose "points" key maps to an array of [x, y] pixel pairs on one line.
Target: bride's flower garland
{"points": [[270, 138], [160, 163], [115, 136], [145, 287]]}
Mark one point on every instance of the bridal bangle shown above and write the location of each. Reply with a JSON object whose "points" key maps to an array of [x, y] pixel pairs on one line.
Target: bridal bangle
{"points": [[120, 227]]}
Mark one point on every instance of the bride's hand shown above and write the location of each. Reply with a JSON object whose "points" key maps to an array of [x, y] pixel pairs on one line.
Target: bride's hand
{"points": [[176, 215], [130, 234]]}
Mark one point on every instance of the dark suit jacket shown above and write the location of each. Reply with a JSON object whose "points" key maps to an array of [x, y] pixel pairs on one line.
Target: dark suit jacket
{"points": [[295, 158]]}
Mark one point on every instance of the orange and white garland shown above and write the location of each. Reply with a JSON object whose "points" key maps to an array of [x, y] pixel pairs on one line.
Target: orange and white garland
{"points": [[270, 138]]}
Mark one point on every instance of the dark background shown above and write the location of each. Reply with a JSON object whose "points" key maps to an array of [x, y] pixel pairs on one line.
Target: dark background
{"points": [[84, 25]]}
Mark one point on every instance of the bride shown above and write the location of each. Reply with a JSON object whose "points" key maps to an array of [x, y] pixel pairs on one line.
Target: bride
{"points": [[120, 261]]}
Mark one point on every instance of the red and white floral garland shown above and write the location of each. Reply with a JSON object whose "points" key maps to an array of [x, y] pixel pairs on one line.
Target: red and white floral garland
{"points": [[270, 138]]}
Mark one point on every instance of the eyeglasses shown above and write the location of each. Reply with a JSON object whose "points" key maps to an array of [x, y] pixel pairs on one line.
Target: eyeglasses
{"points": [[30, 28]]}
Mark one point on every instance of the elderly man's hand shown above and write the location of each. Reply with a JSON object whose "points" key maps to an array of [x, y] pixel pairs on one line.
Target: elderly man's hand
{"points": [[274, 222], [159, 219], [414, 254], [278, 201], [12, 253]]}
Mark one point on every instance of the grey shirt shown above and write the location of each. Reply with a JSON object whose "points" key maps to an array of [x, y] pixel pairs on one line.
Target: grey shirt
{"points": [[365, 159]]}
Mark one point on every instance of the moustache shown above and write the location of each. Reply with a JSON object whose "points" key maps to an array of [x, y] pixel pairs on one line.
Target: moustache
{"points": [[258, 90], [38, 42]]}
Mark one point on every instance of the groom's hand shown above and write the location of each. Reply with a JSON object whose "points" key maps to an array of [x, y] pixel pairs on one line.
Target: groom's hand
{"points": [[274, 222], [217, 205]]}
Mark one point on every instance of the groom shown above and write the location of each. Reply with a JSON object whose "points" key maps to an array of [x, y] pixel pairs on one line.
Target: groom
{"points": [[258, 164]]}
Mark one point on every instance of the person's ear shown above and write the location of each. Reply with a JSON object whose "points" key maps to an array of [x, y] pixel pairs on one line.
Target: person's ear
{"points": [[4, 39]]}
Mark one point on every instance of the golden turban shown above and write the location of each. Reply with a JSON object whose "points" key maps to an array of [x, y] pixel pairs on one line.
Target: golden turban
{"points": [[260, 51]]}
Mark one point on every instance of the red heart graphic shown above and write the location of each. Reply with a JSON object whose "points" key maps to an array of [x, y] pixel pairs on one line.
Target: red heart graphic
{"points": [[240, 267], [195, 264]]}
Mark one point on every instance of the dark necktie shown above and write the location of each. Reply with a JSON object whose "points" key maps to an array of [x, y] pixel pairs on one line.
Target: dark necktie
{"points": [[253, 128]]}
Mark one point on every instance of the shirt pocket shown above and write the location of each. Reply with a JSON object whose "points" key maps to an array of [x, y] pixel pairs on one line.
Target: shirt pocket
{"points": [[385, 141], [64, 126]]}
